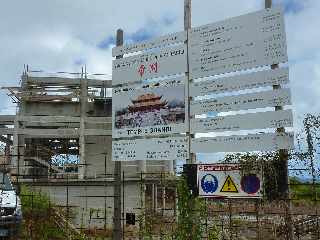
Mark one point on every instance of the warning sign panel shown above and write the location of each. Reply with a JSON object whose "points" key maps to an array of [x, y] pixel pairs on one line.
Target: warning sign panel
{"points": [[228, 181], [229, 186]]}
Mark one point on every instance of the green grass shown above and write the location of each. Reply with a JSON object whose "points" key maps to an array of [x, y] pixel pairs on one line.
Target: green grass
{"points": [[304, 191]]}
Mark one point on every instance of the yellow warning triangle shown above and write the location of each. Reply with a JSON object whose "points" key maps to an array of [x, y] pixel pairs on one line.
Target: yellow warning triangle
{"points": [[229, 186]]}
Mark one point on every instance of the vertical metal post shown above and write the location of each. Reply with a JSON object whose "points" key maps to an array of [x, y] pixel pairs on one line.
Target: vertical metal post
{"points": [[187, 27], [117, 174], [283, 176]]}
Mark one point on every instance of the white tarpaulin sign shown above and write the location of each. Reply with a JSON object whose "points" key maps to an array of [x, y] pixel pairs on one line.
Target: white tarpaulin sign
{"points": [[158, 63], [227, 181], [243, 143], [280, 97], [173, 38], [239, 43], [240, 82], [171, 148], [150, 109], [249, 121]]}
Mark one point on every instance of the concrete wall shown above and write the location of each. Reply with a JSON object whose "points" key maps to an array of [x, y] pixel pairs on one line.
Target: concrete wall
{"points": [[89, 203], [98, 154], [52, 108]]}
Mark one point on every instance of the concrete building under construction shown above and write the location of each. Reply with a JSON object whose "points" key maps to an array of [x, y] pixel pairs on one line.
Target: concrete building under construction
{"points": [[62, 131]]}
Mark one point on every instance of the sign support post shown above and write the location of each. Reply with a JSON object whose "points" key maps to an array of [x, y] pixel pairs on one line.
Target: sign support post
{"points": [[187, 26], [283, 175], [117, 235]]}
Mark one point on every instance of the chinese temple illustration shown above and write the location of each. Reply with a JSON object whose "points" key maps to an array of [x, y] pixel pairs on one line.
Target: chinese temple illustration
{"points": [[147, 103]]}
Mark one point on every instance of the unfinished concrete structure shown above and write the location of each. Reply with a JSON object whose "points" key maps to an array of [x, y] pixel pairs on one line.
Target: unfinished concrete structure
{"points": [[61, 139]]}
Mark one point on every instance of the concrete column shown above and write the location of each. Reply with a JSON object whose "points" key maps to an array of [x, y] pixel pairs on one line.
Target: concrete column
{"points": [[169, 167], [83, 109], [7, 153], [163, 200], [156, 197], [153, 198], [15, 150], [141, 166]]}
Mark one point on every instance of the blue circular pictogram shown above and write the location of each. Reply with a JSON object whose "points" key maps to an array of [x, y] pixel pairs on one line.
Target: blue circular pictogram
{"points": [[250, 184], [209, 183]]}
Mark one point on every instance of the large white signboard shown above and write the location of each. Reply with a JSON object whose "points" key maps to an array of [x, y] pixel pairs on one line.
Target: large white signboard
{"points": [[171, 148], [247, 101], [158, 63], [173, 38], [239, 43], [243, 143], [150, 109], [249, 121], [240, 82], [227, 181]]}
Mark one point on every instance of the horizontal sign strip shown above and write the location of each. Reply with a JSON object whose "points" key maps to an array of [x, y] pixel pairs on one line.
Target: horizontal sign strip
{"points": [[155, 130], [153, 43], [247, 101], [173, 148], [272, 119], [240, 82], [239, 43], [166, 61], [243, 143]]}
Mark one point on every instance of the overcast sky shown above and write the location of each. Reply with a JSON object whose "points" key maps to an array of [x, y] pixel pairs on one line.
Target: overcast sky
{"points": [[61, 35]]}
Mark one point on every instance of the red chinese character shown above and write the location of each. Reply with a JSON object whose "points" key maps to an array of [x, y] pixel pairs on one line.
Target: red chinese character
{"points": [[154, 67], [141, 70]]}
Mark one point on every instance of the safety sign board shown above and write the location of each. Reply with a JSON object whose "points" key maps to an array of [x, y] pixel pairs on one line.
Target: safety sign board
{"points": [[228, 181]]}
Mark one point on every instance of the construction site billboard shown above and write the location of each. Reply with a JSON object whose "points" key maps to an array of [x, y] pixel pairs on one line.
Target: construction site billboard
{"points": [[149, 110]]}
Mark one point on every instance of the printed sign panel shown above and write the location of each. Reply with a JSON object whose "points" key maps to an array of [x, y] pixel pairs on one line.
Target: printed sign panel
{"points": [[249, 121], [243, 143], [240, 82], [166, 61], [239, 43], [280, 97], [173, 148], [227, 181], [150, 109], [173, 38]]}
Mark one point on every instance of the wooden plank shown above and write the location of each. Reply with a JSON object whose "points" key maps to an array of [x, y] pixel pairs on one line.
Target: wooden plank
{"points": [[247, 121], [247, 101], [61, 81], [243, 143], [240, 82]]}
